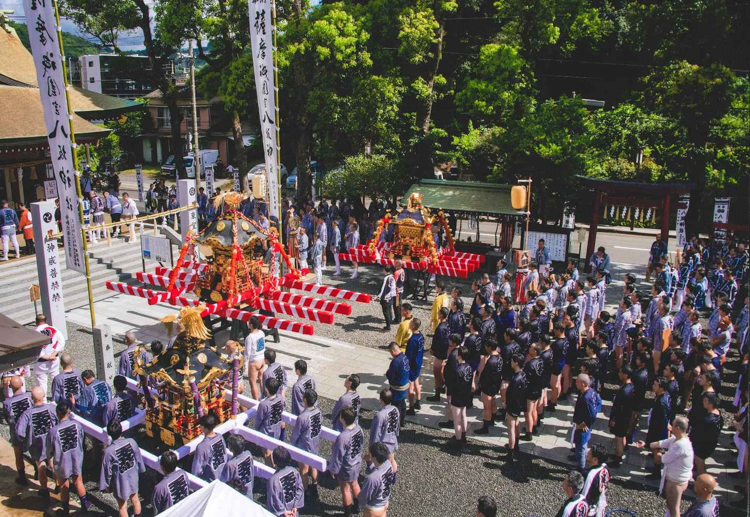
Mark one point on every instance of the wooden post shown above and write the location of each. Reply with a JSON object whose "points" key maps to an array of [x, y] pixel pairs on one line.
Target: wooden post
{"points": [[594, 224], [665, 218]]}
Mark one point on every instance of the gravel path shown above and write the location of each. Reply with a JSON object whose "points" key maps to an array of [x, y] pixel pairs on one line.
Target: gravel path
{"points": [[432, 481]]}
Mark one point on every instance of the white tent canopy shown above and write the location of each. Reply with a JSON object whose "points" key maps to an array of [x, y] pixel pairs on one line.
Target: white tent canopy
{"points": [[216, 500]]}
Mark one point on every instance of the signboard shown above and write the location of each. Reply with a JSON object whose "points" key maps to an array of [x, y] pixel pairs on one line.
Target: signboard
{"points": [[210, 180], [721, 215], [50, 189], [139, 180], [35, 294], [43, 38], [104, 354], [236, 177], [156, 248], [48, 266], [261, 38], [682, 209], [568, 220], [557, 243], [188, 218]]}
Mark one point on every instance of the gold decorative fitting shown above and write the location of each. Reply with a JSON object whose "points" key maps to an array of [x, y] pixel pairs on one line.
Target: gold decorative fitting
{"points": [[202, 358], [220, 227], [245, 226], [216, 296], [174, 359]]}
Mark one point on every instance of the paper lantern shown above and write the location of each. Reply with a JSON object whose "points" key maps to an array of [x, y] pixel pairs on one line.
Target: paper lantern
{"points": [[259, 186], [518, 197]]}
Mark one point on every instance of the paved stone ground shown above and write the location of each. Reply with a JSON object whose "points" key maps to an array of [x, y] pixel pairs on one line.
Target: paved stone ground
{"points": [[433, 480]]}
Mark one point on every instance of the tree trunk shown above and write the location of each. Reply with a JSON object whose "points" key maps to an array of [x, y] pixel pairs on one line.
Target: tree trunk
{"points": [[175, 118], [240, 157], [424, 149], [693, 216], [304, 181]]}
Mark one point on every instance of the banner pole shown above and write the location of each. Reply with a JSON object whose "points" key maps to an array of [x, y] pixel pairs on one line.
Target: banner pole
{"points": [[75, 165], [278, 129]]}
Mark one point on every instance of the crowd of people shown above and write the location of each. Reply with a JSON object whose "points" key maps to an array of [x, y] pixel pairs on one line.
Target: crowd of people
{"points": [[519, 350]]}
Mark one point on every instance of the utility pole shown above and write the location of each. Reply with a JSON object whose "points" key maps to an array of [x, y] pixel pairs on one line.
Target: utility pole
{"points": [[196, 150]]}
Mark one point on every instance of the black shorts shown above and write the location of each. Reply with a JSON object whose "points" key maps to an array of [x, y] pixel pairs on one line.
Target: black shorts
{"points": [[557, 369], [620, 430], [490, 391], [703, 450], [514, 408], [534, 395]]}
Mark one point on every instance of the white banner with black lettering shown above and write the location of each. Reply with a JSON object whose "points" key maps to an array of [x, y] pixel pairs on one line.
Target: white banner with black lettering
{"points": [[139, 180], [261, 38], [682, 210], [721, 215], [43, 37], [210, 180]]}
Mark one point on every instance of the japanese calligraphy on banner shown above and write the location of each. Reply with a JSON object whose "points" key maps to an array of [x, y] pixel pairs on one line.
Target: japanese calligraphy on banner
{"points": [[236, 176], [721, 215], [210, 180], [682, 210], [48, 264], [139, 180], [261, 37], [43, 37], [50, 189]]}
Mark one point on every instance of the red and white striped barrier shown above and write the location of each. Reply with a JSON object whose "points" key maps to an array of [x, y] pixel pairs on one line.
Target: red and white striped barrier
{"points": [[313, 303], [181, 275], [464, 255], [274, 323], [333, 292], [294, 310], [162, 281], [359, 255], [407, 264], [196, 267], [448, 270], [141, 292]]}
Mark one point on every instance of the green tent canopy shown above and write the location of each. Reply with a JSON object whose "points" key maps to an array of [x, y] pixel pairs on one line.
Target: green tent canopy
{"points": [[465, 197]]}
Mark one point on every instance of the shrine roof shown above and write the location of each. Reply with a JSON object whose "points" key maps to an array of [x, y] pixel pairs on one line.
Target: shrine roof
{"points": [[491, 199], [637, 187]]}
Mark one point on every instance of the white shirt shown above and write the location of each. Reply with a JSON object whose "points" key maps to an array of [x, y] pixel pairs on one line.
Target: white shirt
{"points": [[255, 345], [129, 208], [57, 344], [678, 460]]}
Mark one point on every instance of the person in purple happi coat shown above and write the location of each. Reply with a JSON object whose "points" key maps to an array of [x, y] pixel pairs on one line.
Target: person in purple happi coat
{"points": [[211, 454], [268, 417], [173, 488], [65, 445], [121, 465], [285, 493], [306, 436], [346, 460], [238, 472], [31, 429]]}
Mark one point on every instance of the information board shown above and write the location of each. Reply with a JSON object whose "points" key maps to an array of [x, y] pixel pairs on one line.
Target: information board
{"points": [[557, 244], [155, 248]]}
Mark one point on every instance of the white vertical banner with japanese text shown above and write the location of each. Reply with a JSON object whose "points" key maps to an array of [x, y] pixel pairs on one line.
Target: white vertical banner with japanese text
{"points": [[139, 180], [43, 37], [721, 215], [48, 264], [188, 218], [682, 210], [261, 38], [210, 180]]}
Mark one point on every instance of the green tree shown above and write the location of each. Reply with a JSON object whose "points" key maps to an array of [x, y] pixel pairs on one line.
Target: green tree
{"points": [[362, 176], [75, 46], [163, 28], [697, 98]]}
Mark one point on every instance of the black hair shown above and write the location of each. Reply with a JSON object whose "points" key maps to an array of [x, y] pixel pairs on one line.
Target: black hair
{"points": [[518, 359], [487, 506], [463, 353], [209, 421], [168, 462], [354, 381], [407, 307], [455, 338], [599, 452], [511, 333], [546, 339], [310, 397], [490, 342], [270, 355], [273, 385], [386, 396], [120, 383], [157, 347], [627, 371], [444, 312], [663, 382], [114, 429], [348, 415], [712, 398], [301, 366], [87, 374], [236, 444], [62, 408], [379, 452], [254, 322], [281, 457], [416, 322]]}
